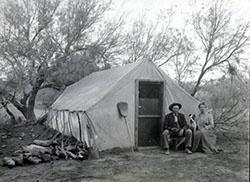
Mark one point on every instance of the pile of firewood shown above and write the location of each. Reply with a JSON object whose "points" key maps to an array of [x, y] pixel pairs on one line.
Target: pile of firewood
{"points": [[59, 147]]}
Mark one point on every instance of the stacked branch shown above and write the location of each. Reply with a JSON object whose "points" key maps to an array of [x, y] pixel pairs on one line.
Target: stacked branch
{"points": [[59, 147]]}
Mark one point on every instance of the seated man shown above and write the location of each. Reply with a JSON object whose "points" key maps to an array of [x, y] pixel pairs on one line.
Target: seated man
{"points": [[175, 125]]}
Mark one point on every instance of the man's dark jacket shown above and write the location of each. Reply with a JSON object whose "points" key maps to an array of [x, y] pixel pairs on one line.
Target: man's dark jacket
{"points": [[169, 122]]}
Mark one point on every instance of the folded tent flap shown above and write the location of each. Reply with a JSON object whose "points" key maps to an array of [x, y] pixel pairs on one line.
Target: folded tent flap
{"points": [[90, 131], [73, 123]]}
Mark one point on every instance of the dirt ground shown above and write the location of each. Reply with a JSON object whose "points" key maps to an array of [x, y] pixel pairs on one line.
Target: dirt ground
{"points": [[146, 165]]}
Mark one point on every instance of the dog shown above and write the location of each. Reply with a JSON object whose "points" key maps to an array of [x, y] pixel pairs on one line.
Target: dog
{"points": [[193, 123]]}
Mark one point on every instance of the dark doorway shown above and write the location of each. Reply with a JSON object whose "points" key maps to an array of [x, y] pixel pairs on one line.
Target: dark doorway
{"points": [[149, 112]]}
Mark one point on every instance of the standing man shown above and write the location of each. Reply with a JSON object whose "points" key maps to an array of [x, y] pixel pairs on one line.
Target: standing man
{"points": [[175, 125]]}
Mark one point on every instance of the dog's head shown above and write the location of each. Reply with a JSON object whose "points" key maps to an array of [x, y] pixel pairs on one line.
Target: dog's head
{"points": [[192, 116]]}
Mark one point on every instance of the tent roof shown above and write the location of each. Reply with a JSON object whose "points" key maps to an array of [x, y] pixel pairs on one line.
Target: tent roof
{"points": [[91, 88], [87, 92]]}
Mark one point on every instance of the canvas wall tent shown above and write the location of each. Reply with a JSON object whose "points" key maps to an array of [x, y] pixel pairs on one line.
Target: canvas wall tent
{"points": [[88, 108]]}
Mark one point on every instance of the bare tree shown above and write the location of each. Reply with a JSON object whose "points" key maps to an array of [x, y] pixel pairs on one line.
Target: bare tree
{"points": [[227, 96], [221, 44], [184, 62], [183, 66], [38, 36]]}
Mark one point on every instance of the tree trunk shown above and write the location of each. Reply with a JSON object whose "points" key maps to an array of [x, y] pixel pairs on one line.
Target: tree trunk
{"points": [[27, 104], [196, 88], [197, 85], [30, 115]]}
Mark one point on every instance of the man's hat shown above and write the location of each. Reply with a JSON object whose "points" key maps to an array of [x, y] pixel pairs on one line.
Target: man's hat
{"points": [[174, 104]]}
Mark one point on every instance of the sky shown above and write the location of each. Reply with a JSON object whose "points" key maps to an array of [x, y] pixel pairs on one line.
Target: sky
{"points": [[182, 7]]}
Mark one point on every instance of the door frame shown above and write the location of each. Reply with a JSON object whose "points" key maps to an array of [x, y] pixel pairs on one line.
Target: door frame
{"points": [[137, 104]]}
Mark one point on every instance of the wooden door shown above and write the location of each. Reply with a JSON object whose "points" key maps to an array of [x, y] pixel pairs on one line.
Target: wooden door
{"points": [[149, 109]]}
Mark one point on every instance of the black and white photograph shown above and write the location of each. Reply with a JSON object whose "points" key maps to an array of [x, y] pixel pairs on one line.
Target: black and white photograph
{"points": [[124, 90]]}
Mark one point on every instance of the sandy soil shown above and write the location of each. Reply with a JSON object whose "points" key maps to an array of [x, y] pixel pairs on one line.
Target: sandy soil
{"points": [[148, 165]]}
